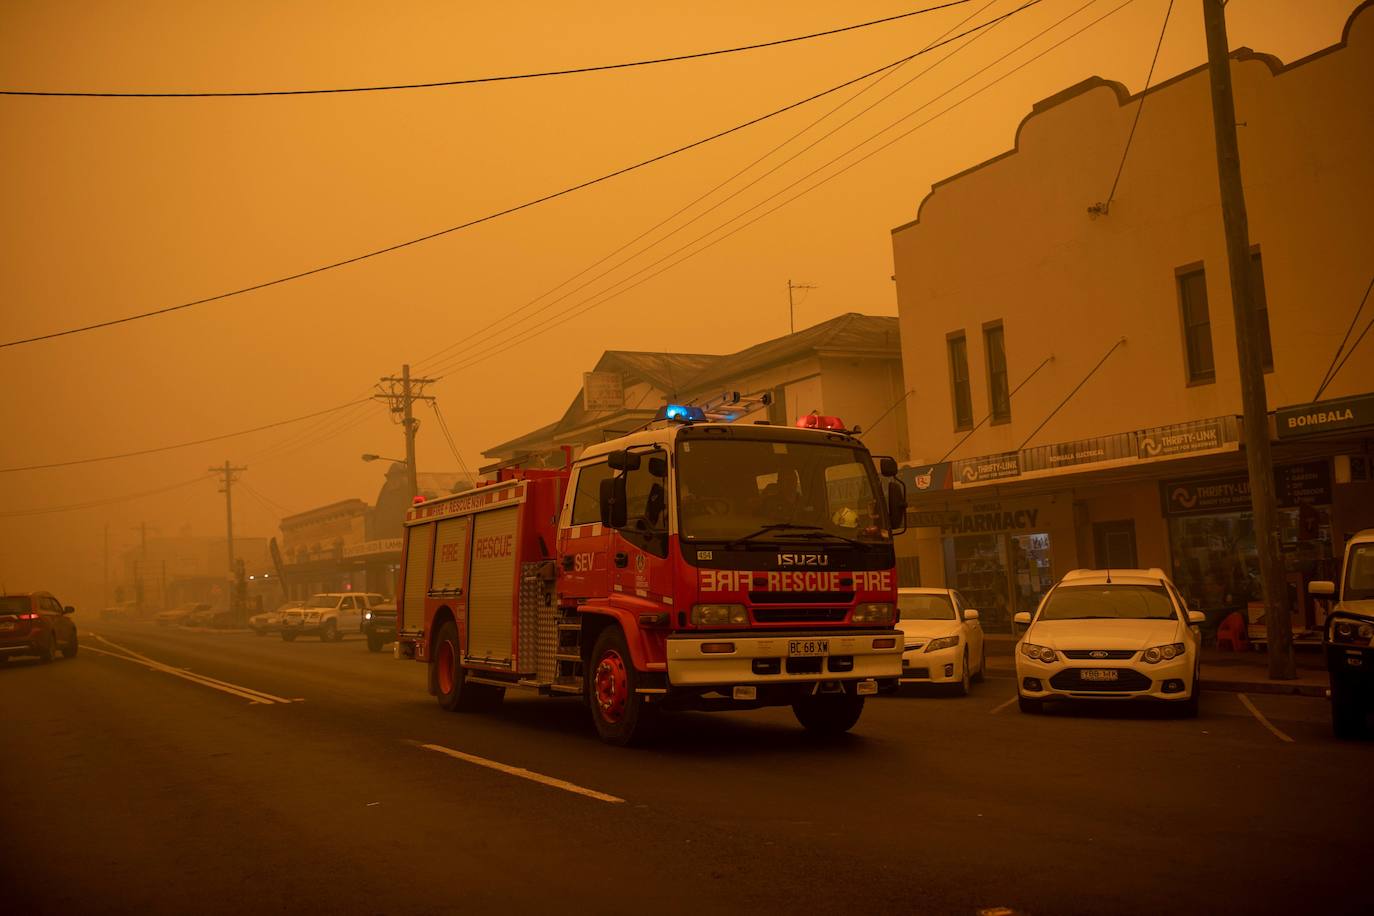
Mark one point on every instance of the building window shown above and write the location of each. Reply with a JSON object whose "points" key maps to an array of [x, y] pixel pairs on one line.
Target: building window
{"points": [[958, 381], [1197, 326], [999, 392], [1261, 310]]}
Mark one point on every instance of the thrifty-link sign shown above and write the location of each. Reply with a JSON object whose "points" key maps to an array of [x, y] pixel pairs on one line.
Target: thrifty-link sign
{"points": [[735, 580]]}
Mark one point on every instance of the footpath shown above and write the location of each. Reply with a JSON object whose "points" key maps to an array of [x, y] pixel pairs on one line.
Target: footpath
{"points": [[1238, 672]]}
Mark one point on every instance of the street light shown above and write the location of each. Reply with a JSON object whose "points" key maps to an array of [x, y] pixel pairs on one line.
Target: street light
{"points": [[370, 457]]}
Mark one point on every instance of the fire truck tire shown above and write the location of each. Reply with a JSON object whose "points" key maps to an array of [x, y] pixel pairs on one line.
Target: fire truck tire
{"points": [[829, 713], [288, 637], [622, 717], [451, 688]]}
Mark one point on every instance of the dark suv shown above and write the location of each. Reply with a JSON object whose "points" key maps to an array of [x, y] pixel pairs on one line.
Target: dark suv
{"points": [[35, 624]]}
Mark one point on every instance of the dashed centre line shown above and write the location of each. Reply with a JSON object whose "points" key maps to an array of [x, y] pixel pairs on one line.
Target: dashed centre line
{"points": [[524, 774], [129, 655]]}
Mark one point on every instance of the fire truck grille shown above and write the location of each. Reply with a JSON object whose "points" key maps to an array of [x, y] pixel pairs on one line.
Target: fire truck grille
{"points": [[801, 597], [799, 614]]}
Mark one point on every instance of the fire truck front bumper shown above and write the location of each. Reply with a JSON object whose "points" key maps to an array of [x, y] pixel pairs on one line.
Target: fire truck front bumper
{"points": [[725, 658]]}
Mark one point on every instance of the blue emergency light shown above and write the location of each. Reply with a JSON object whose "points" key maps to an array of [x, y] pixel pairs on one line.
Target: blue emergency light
{"points": [[684, 413]]}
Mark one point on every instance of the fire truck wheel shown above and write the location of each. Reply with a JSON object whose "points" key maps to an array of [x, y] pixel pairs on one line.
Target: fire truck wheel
{"points": [[451, 688], [622, 717], [829, 713]]}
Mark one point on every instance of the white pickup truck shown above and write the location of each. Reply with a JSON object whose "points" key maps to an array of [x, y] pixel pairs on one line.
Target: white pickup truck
{"points": [[328, 615], [1349, 637]]}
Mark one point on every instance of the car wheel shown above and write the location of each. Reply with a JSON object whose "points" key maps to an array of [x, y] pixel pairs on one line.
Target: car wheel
{"points": [[1032, 705], [982, 662], [829, 714], [1347, 716], [374, 642], [49, 649], [288, 637], [69, 650], [1189, 707], [621, 715], [330, 633]]}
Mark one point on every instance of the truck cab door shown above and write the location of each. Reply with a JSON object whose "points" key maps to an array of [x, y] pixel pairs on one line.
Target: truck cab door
{"points": [[583, 544], [643, 544]]}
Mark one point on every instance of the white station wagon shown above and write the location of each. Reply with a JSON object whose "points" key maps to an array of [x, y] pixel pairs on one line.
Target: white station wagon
{"points": [[1118, 634]]}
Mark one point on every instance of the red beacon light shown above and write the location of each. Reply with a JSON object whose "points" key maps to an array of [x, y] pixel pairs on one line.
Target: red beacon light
{"points": [[816, 421], [417, 500]]}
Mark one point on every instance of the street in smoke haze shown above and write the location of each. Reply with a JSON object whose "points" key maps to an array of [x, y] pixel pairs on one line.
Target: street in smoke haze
{"points": [[133, 790]]}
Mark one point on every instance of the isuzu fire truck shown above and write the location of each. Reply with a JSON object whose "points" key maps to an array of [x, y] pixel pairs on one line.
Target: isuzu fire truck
{"points": [[694, 564]]}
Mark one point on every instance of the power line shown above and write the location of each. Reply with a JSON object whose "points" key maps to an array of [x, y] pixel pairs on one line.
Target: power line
{"points": [[1332, 369], [452, 445], [193, 94], [1068, 397], [596, 300], [1353, 347], [168, 448], [1105, 208], [512, 209], [480, 334], [71, 507], [988, 416]]}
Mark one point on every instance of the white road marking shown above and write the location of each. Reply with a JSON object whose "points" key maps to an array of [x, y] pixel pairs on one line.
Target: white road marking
{"points": [[1262, 720], [524, 774], [129, 655], [1001, 706]]}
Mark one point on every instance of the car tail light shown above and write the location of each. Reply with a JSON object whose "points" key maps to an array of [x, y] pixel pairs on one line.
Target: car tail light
{"points": [[28, 616]]}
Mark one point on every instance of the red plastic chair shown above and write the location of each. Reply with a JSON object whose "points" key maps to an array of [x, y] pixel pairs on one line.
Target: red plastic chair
{"points": [[1231, 633]]}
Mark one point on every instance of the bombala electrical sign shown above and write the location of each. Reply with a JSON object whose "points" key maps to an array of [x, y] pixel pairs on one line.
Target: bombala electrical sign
{"points": [[1294, 484], [1325, 416]]}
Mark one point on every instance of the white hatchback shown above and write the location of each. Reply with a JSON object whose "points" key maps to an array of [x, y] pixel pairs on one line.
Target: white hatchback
{"points": [[1119, 634], [942, 640]]}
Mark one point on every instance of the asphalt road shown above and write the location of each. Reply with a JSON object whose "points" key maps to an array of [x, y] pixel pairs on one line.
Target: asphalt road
{"points": [[310, 777]]}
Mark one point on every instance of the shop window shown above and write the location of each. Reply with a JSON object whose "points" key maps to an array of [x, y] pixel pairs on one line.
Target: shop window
{"points": [[1197, 327], [1114, 545], [959, 381], [977, 566], [999, 391], [908, 572], [1261, 310]]}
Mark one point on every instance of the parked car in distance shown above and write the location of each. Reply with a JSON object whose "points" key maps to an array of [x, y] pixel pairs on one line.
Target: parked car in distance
{"points": [[123, 610], [328, 615], [35, 623], [203, 616], [942, 638], [1119, 634], [270, 621], [1348, 639], [179, 615], [379, 625]]}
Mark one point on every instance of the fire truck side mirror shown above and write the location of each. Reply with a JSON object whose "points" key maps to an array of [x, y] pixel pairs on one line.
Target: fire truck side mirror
{"points": [[622, 460], [887, 466], [896, 506], [613, 503], [658, 467]]}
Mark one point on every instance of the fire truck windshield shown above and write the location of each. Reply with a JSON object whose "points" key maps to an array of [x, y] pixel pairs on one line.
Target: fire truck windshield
{"points": [[769, 491]]}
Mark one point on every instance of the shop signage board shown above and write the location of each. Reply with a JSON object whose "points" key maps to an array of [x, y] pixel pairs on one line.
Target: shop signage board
{"points": [[1325, 416], [372, 548], [987, 468], [1294, 484], [924, 477], [1187, 438], [936, 519], [1197, 437], [602, 391]]}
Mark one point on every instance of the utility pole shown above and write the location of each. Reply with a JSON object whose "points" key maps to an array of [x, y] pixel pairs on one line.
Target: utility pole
{"points": [[139, 567], [227, 483], [791, 316], [105, 581], [1278, 620], [401, 394]]}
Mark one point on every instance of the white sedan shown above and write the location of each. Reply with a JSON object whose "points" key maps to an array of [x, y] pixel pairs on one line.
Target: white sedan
{"points": [[942, 639], [1119, 634]]}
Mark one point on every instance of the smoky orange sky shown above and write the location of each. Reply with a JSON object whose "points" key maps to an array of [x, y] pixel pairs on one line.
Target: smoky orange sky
{"points": [[116, 206]]}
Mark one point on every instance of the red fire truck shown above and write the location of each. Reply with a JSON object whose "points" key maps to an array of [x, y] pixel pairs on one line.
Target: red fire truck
{"points": [[694, 564]]}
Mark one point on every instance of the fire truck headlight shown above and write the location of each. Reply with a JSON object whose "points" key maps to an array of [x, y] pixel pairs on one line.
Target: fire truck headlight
{"points": [[719, 615], [874, 613]]}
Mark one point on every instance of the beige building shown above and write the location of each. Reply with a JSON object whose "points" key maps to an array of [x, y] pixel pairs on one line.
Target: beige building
{"points": [[1074, 368], [849, 366]]}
